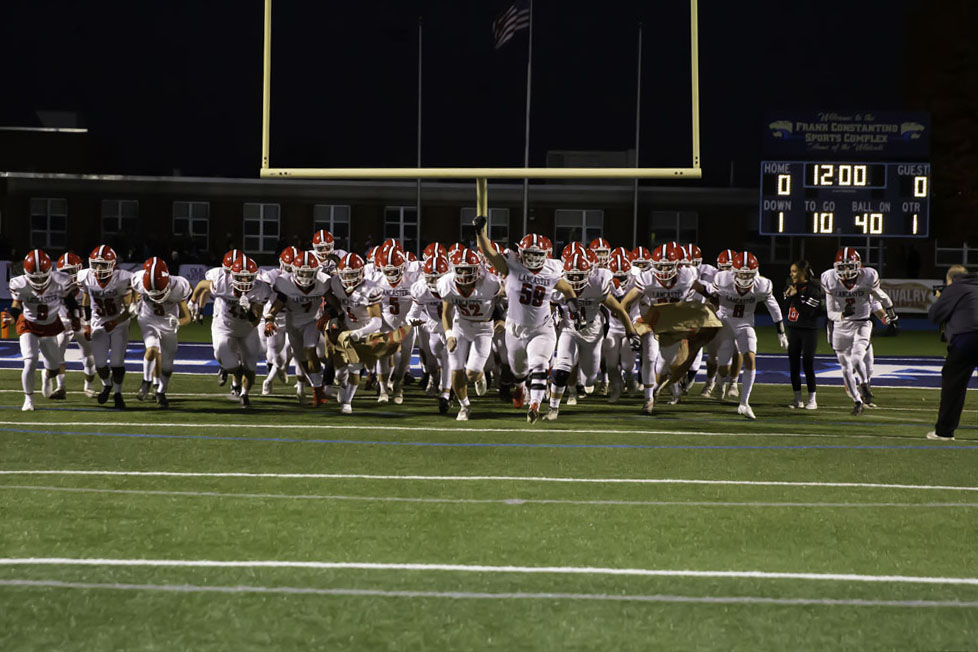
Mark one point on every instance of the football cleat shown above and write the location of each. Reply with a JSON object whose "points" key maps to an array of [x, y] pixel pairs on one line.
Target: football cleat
{"points": [[519, 395], [533, 413], [47, 387], [614, 390], [89, 389], [383, 398], [283, 375], [432, 388], [443, 405], [799, 404], [602, 388], [463, 414], [143, 390], [571, 396], [300, 391], [103, 396], [811, 405], [707, 391], [930, 435], [28, 404], [649, 407], [480, 385], [551, 414], [734, 390], [266, 387], [744, 410], [118, 402], [346, 408], [222, 377], [398, 392], [857, 409], [318, 397], [58, 394], [245, 401], [867, 395], [235, 393], [684, 385], [161, 400], [726, 393]]}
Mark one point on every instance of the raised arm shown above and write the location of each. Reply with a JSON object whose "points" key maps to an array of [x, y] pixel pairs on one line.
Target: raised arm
{"points": [[495, 258]]}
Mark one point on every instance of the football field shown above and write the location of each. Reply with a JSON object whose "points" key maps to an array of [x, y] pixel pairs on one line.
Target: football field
{"points": [[211, 527]]}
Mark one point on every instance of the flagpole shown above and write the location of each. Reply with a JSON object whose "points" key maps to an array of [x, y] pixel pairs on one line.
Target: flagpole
{"points": [[418, 191], [638, 124], [526, 141]]}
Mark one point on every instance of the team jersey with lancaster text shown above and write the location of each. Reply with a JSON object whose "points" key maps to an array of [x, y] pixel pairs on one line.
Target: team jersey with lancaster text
{"points": [[301, 304], [396, 302], [44, 307], [163, 315], [268, 276], [355, 303], [107, 298], [477, 305], [589, 300], [737, 306], [427, 306], [232, 317], [529, 292], [677, 289], [845, 302]]}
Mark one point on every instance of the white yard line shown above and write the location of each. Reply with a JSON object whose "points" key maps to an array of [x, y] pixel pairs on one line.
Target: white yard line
{"points": [[446, 428], [482, 501], [466, 595], [477, 568], [487, 478]]}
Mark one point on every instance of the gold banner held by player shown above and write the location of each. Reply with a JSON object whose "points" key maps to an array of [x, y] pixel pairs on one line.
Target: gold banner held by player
{"points": [[672, 322]]}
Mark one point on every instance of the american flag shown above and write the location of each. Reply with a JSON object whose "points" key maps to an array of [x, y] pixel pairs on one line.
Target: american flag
{"points": [[515, 18]]}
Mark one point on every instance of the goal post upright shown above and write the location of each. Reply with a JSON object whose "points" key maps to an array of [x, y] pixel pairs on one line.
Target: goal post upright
{"points": [[480, 174]]}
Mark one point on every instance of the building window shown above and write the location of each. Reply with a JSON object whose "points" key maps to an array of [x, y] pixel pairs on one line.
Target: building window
{"points": [[192, 218], [261, 228], [401, 223], [49, 221], [335, 218], [678, 226], [119, 216], [498, 226], [576, 226]]}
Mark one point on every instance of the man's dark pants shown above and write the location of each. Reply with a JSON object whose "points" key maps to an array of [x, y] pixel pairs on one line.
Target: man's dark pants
{"points": [[962, 358]]}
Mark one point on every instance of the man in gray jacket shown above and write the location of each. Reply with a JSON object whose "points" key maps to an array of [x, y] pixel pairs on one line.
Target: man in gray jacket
{"points": [[956, 310]]}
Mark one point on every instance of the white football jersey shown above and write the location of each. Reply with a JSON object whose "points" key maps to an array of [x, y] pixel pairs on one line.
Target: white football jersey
{"points": [[529, 292], [845, 302], [268, 277], [678, 288], [427, 306], [600, 284], [397, 301], [41, 308], [301, 304], [163, 315], [477, 305], [706, 273], [212, 275], [619, 290], [107, 298], [355, 303], [737, 306], [229, 316]]}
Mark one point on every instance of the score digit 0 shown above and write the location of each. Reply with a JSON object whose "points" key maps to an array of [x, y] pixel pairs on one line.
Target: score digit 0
{"points": [[871, 223], [823, 222], [784, 184]]}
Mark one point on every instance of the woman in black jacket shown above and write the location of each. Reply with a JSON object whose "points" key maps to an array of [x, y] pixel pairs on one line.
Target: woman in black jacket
{"points": [[803, 299]]}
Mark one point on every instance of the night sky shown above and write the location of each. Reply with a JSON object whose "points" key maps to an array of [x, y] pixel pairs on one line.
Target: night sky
{"points": [[177, 85]]}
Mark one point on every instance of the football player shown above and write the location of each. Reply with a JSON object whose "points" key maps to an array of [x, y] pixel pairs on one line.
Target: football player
{"points": [[300, 295], [849, 291], [619, 358], [397, 275], [581, 336], [108, 293], [201, 296], [277, 349], [70, 263], [161, 310], [38, 296], [530, 338], [739, 290], [602, 251], [468, 297], [425, 316], [724, 263]]}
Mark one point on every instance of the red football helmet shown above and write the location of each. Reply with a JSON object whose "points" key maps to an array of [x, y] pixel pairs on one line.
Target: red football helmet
{"points": [[433, 249], [620, 268], [391, 243], [102, 262], [570, 249], [287, 258], [322, 244], [684, 257], [467, 265], [244, 271], [725, 259], [411, 257], [695, 255], [37, 269], [641, 258], [391, 262], [305, 266], [534, 250], [70, 263], [350, 270], [372, 255], [458, 246], [744, 269], [229, 258], [156, 279], [847, 263], [601, 249], [621, 252], [665, 262], [577, 270], [434, 268]]}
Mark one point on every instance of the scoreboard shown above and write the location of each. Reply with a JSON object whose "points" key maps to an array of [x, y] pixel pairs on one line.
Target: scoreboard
{"points": [[813, 198]]}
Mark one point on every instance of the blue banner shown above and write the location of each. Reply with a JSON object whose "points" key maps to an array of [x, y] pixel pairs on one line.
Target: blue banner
{"points": [[841, 135]]}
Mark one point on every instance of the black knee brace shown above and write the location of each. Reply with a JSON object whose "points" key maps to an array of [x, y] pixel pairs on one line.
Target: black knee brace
{"points": [[538, 380], [118, 373], [559, 377]]}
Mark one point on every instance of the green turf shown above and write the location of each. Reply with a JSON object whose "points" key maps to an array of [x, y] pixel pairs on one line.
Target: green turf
{"points": [[492, 522]]}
